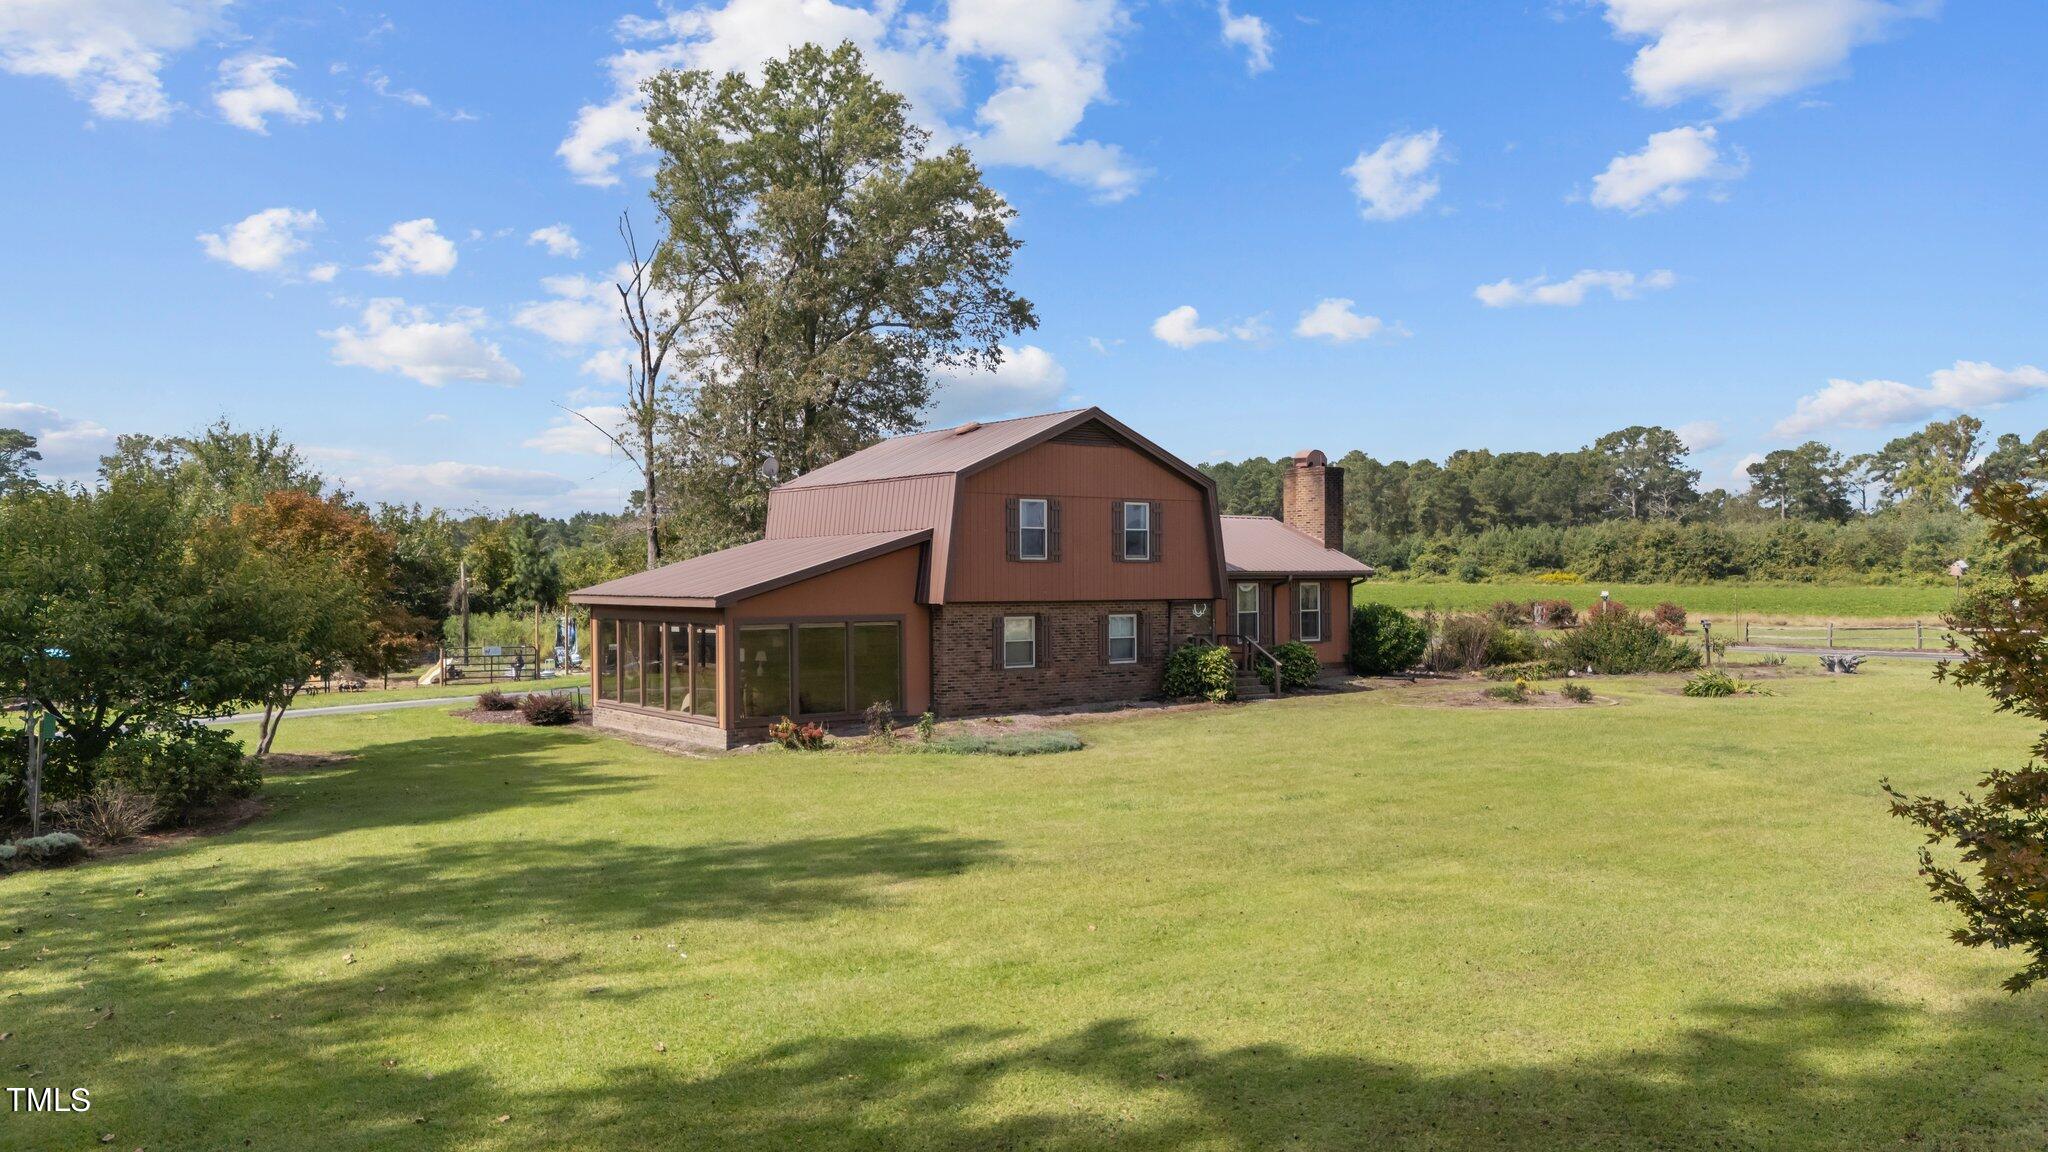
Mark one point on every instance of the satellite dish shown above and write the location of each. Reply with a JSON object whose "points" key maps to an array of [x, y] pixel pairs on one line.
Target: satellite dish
{"points": [[769, 467]]}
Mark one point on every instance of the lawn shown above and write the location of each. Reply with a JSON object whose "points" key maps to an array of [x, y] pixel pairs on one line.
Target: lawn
{"points": [[1356, 921], [1896, 602], [453, 691]]}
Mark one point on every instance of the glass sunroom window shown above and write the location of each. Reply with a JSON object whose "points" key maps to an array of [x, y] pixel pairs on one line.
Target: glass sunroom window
{"points": [[877, 664], [608, 659], [764, 670], [678, 654], [629, 661], [704, 694], [820, 668]]}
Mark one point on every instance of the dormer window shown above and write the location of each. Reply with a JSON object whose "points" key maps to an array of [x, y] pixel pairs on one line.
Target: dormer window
{"points": [[1137, 534], [1032, 532]]}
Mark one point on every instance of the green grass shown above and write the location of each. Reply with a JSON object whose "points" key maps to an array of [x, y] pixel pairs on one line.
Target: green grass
{"points": [[1760, 601], [454, 691], [1351, 922]]}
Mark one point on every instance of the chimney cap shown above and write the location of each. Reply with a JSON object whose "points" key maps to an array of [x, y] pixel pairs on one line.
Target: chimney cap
{"points": [[1310, 458]]}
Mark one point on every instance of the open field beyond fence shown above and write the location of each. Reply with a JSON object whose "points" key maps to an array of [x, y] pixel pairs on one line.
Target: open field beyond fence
{"points": [[1778, 602]]}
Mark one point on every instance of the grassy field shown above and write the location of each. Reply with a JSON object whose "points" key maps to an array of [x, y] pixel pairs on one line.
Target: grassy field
{"points": [[1759, 601], [1362, 922], [453, 691]]}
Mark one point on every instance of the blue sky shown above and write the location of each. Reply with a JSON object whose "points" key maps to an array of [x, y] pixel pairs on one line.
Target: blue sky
{"points": [[1252, 228]]}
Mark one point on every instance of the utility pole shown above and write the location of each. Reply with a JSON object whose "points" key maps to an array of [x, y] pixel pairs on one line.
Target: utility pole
{"points": [[462, 600]]}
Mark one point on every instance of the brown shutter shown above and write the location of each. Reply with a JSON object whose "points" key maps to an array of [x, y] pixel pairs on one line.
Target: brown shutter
{"points": [[1144, 633], [1116, 530], [1157, 520], [1009, 530], [1102, 636], [1052, 529], [998, 656]]}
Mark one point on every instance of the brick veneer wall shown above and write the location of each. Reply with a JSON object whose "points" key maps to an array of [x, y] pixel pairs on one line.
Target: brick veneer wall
{"points": [[1071, 666]]}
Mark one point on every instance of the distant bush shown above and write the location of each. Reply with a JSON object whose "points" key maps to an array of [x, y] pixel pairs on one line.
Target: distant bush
{"points": [[1670, 618], [495, 701], [1299, 667], [1619, 642], [112, 813], [1511, 646], [1458, 642], [1005, 744], [1515, 693], [1510, 613], [1577, 693], [1385, 640], [1556, 613], [1197, 671], [54, 848], [1559, 578], [1545, 669], [546, 710], [184, 770]]}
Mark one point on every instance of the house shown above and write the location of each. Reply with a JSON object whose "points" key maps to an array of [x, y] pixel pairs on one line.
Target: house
{"points": [[1010, 566]]}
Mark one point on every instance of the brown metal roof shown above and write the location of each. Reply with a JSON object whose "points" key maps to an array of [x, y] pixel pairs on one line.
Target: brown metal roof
{"points": [[1263, 546], [716, 579], [943, 450]]}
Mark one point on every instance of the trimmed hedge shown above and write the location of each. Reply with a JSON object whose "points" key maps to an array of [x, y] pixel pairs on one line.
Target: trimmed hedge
{"points": [[1385, 640], [1299, 667], [1198, 671]]}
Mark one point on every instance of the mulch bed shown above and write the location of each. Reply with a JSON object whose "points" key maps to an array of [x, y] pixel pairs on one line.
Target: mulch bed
{"points": [[512, 716], [297, 763], [226, 818]]}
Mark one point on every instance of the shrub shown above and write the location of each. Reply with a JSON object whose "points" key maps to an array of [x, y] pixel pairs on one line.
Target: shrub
{"points": [[1559, 578], [1515, 693], [1006, 744], [1510, 613], [1670, 618], [927, 725], [796, 737], [112, 813], [1458, 642], [546, 710], [53, 848], [1714, 683], [1510, 646], [881, 720], [1299, 667], [1385, 640], [184, 770], [1200, 671], [1619, 642], [1556, 613], [495, 701], [1546, 669], [1577, 693]]}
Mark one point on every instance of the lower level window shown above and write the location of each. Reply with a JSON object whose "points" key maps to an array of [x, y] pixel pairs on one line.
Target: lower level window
{"points": [[1123, 639], [1311, 610], [821, 668], [764, 671], [1020, 641]]}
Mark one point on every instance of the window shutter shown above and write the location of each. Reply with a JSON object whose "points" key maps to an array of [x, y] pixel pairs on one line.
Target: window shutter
{"points": [[1009, 537], [1144, 632], [998, 657], [1052, 529], [1156, 519], [1116, 531], [1102, 636]]}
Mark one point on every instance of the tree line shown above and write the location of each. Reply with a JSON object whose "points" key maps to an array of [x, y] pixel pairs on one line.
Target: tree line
{"points": [[1629, 507]]}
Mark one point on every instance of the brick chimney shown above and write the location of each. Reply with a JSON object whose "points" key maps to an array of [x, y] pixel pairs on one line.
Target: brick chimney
{"points": [[1312, 498]]}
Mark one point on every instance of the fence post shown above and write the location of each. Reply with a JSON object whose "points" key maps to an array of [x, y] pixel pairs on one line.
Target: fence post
{"points": [[1917, 645], [1831, 633]]}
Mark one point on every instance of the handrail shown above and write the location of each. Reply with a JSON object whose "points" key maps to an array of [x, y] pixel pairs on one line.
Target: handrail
{"points": [[1252, 644]]}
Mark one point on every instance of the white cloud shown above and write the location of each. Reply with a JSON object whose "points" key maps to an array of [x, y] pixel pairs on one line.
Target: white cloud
{"points": [[1572, 293], [249, 92], [1048, 62], [1658, 176], [377, 475], [1028, 381], [1743, 54], [1394, 180], [609, 364], [413, 342], [558, 240], [70, 447], [573, 435], [263, 241], [1335, 320], [1738, 476], [414, 246], [1702, 435], [581, 313], [1250, 33], [323, 273], [381, 84], [1182, 328], [109, 53], [1104, 347], [1970, 384]]}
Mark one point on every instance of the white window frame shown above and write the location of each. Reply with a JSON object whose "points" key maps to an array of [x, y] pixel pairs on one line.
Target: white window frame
{"points": [[1025, 528], [1030, 624], [1256, 614], [1114, 639], [1301, 611], [1145, 510]]}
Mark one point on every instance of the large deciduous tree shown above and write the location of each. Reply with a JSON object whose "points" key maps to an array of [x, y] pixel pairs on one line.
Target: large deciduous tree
{"points": [[217, 468], [1928, 469], [842, 261], [17, 454], [1994, 868], [1647, 472], [1810, 482]]}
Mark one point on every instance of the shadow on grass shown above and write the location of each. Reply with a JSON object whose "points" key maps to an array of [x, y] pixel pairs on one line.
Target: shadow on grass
{"points": [[1758, 1076]]}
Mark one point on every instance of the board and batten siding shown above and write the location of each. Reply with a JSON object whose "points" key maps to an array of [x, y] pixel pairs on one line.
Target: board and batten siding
{"points": [[1087, 480]]}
